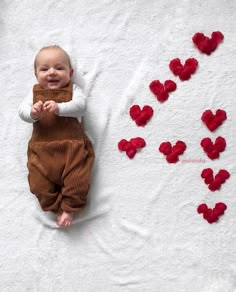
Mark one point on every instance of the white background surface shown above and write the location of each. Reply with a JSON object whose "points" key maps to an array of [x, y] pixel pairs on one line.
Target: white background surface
{"points": [[140, 231]]}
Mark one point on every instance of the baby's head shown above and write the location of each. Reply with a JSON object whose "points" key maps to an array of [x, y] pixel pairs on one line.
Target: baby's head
{"points": [[52, 67]]}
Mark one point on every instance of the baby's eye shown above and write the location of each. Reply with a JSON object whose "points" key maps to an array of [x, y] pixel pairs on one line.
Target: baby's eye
{"points": [[43, 69], [60, 68]]}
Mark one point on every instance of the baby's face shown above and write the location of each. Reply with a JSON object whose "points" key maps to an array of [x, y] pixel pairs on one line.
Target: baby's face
{"points": [[53, 69]]}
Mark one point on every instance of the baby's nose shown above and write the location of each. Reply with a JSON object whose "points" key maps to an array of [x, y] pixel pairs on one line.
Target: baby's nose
{"points": [[51, 71]]}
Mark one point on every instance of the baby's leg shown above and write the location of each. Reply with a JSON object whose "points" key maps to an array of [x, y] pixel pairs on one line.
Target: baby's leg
{"points": [[44, 177], [48, 195], [76, 179]]}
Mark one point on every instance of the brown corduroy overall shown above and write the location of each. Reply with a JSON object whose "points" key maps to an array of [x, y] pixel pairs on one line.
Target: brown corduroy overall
{"points": [[60, 156]]}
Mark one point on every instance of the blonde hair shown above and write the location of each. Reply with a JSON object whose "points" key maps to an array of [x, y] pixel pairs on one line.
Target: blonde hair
{"points": [[52, 47]]}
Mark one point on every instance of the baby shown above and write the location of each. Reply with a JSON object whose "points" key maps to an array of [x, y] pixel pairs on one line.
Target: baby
{"points": [[60, 155]]}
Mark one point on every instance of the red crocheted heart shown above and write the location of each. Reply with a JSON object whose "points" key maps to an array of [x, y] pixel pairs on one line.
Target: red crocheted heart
{"points": [[214, 183], [206, 44], [141, 116], [183, 71], [172, 152], [213, 121], [161, 91], [131, 147], [212, 215], [213, 149]]}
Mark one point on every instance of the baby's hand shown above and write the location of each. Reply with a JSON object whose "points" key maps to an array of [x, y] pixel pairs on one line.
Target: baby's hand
{"points": [[51, 106], [36, 110]]}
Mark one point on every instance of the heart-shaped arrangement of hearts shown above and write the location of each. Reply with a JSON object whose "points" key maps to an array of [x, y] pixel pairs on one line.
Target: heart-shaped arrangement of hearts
{"points": [[131, 147], [205, 44], [213, 121], [172, 152], [213, 149], [161, 91], [183, 71], [212, 215], [214, 183], [141, 116]]}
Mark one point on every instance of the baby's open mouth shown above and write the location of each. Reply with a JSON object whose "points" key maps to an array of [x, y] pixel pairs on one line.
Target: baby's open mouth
{"points": [[53, 81]]}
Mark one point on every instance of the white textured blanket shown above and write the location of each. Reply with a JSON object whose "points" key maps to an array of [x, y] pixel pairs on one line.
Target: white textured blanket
{"points": [[141, 230]]}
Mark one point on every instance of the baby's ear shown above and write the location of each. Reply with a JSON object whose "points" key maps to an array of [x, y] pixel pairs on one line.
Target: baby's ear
{"points": [[71, 72]]}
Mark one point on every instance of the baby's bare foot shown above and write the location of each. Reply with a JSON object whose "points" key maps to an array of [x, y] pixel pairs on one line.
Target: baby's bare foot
{"points": [[65, 219]]}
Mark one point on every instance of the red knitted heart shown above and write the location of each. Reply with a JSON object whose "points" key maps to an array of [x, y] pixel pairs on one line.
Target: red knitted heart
{"points": [[141, 117], [130, 147], [162, 91], [213, 121], [172, 152], [205, 44], [214, 183], [183, 71], [213, 150], [212, 215]]}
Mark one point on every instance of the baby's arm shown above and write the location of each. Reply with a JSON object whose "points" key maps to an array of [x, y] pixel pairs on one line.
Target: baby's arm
{"points": [[27, 111], [76, 107]]}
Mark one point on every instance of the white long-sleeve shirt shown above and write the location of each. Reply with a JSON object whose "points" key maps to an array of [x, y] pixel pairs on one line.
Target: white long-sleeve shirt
{"points": [[74, 108]]}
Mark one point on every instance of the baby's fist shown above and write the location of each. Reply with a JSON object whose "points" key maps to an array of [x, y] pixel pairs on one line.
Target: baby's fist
{"points": [[51, 106], [36, 110]]}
